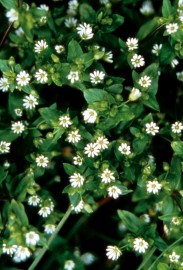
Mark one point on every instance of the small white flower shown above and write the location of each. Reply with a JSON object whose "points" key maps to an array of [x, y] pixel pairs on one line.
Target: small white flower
{"points": [[92, 150], [85, 31], [43, 7], [114, 192], [151, 128], [34, 200], [87, 258], [104, 2], [177, 127], [78, 208], [74, 136], [89, 115], [153, 187], [147, 8], [181, 18], [76, 180], [174, 62], [18, 112], [174, 257], [42, 161], [9, 250], [49, 228], [78, 160], [138, 61], [156, 49], [73, 76], [4, 147], [146, 218], [65, 121], [21, 254], [45, 211], [73, 4], [132, 44], [108, 57], [176, 221], [12, 15], [145, 81], [23, 78], [32, 238], [97, 76], [180, 76], [40, 46], [172, 28], [69, 265], [17, 127], [30, 102], [41, 76], [59, 48], [6, 164], [125, 149], [140, 245], [70, 22], [180, 3], [102, 142], [4, 84], [107, 176], [134, 94], [113, 252]]}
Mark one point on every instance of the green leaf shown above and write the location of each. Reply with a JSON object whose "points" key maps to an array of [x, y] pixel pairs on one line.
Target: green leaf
{"points": [[51, 116], [178, 148], [69, 169], [74, 51], [9, 4], [175, 172], [117, 20], [148, 27], [163, 266], [132, 222], [19, 211], [4, 65], [167, 9], [26, 22], [87, 13], [166, 54], [3, 174], [151, 102], [94, 94]]}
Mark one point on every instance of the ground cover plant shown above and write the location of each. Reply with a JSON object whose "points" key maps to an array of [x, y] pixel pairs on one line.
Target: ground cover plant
{"points": [[91, 151]]}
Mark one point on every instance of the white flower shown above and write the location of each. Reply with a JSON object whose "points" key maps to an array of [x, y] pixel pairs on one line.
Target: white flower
{"points": [[177, 127], [41, 76], [6, 164], [17, 127], [140, 245], [181, 18], [59, 48], [124, 148], [77, 160], [114, 192], [153, 187], [43, 7], [73, 4], [74, 136], [108, 57], [40, 46], [87, 258], [34, 200], [9, 250], [180, 76], [49, 228], [76, 180], [69, 265], [145, 81], [104, 2], [23, 78], [151, 128], [4, 147], [147, 8], [174, 62], [45, 211], [42, 161], [21, 254], [85, 31], [113, 252], [174, 257], [30, 102], [18, 112], [102, 142], [172, 28], [132, 44], [134, 94], [107, 176], [32, 238], [73, 76], [138, 61], [156, 49], [65, 121], [78, 208], [180, 3], [146, 218], [70, 22], [92, 150], [90, 115], [176, 221], [97, 76], [12, 15], [4, 84]]}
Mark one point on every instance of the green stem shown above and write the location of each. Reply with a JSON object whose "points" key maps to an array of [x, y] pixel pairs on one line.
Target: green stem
{"points": [[44, 249], [147, 257], [167, 249]]}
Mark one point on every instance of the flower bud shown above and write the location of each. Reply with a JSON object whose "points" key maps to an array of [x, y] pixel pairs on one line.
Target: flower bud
{"points": [[135, 94]]}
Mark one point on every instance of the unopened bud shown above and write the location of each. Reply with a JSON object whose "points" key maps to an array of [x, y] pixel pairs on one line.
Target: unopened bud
{"points": [[135, 94]]}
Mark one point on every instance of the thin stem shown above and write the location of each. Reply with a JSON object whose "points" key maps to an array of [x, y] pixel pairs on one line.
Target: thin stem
{"points": [[168, 248], [44, 249], [6, 34], [148, 256]]}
